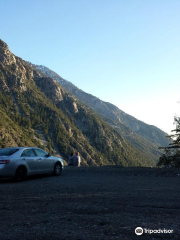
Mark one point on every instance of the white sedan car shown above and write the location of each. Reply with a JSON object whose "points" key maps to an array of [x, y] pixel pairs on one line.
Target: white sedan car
{"points": [[20, 162]]}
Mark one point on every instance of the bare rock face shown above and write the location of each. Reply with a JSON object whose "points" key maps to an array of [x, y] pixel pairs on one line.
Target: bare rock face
{"points": [[75, 107], [50, 88], [14, 71], [6, 57]]}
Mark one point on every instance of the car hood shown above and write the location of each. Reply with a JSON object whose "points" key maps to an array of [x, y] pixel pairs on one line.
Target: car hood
{"points": [[56, 158]]}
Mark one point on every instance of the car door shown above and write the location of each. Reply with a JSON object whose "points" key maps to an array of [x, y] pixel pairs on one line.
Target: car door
{"points": [[31, 160], [46, 161]]}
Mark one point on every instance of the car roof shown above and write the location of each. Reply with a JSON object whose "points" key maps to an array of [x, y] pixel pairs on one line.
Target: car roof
{"points": [[21, 148]]}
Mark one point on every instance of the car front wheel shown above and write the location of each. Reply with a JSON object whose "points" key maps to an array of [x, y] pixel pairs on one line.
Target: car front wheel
{"points": [[57, 169]]}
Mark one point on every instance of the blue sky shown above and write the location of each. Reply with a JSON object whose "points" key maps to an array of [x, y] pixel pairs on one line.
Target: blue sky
{"points": [[124, 52]]}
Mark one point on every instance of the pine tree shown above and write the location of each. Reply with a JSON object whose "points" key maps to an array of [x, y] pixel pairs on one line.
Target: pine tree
{"points": [[171, 156]]}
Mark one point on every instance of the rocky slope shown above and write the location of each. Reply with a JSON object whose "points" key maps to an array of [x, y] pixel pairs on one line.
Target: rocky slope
{"points": [[42, 111], [145, 137], [109, 111]]}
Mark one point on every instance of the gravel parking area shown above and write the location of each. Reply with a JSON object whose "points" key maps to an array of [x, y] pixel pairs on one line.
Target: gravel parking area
{"points": [[97, 203]]}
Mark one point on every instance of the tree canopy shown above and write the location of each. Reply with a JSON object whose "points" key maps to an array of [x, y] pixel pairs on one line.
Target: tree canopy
{"points": [[171, 156]]}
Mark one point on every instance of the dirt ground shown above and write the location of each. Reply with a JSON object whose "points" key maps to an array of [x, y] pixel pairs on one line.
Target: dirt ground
{"points": [[95, 203]]}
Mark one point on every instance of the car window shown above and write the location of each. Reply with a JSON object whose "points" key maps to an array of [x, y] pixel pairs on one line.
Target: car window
{"points": [[8, 151], [40, 153], [28, 153]]}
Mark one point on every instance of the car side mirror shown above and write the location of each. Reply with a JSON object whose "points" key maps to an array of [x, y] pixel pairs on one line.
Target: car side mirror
{"points": [[48, 155]]}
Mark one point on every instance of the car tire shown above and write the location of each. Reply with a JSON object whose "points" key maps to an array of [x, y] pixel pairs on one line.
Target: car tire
{"points": [[57, 169], [21, 174]]}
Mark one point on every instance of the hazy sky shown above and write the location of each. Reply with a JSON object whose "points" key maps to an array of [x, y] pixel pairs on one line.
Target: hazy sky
{"points": [[124, 52]]}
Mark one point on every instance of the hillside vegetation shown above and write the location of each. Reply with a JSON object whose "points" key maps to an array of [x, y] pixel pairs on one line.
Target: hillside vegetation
{"points": [[145, 137], [36, 110]]}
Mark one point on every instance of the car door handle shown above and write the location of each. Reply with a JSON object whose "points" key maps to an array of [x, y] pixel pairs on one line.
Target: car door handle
{"points": [[40, 159]]}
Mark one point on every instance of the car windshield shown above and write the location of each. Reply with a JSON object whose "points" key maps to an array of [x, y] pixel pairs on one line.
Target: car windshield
{"points": [[8, 151], [40, 153]]}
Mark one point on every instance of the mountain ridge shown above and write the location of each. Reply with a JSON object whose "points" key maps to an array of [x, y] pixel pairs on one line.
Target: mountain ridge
{"points": [[36, 103], [134, 130], [107, 109]]}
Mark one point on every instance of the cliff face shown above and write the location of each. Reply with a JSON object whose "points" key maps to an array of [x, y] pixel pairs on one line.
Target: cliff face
{"points": [[6, 57]]}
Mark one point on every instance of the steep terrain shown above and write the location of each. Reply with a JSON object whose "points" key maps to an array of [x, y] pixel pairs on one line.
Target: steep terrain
{"points": [[109, 111], [40, 110], [145, 137]]}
